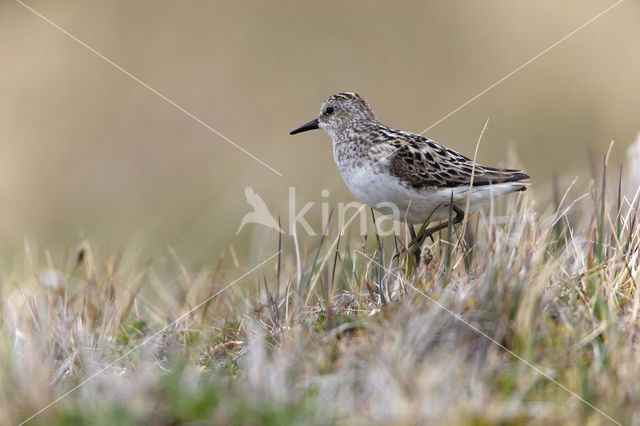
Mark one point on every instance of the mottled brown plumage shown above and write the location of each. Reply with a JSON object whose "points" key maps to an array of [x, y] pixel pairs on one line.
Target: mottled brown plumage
{"points": [[422, 163]]}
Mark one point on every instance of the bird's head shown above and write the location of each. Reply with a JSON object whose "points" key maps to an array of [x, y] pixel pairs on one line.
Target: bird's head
{"points": [[339, 112]]}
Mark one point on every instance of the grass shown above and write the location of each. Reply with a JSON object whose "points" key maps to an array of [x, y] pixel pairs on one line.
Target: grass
{"points": [[530, 318]]}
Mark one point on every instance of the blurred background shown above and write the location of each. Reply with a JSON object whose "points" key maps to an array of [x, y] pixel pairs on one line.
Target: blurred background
{"points": [[85, 151]]}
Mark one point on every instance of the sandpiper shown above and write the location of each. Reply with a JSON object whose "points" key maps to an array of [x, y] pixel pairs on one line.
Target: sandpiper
{"points": [[402, 174]]}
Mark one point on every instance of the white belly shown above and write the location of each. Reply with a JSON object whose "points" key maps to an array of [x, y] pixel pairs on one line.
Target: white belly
{"points": [[385, 194]]}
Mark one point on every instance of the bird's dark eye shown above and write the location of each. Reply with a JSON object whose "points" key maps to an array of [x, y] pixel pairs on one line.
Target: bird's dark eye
{"points": [[328, 110]]}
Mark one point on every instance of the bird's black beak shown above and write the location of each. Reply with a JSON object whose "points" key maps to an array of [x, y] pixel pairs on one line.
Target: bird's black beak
{"points": [[312, 125]]}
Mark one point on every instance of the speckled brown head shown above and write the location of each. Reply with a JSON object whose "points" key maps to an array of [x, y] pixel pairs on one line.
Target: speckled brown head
{"points": [[340, 112]]}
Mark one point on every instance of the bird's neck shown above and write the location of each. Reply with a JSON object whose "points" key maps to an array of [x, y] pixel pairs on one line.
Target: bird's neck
{"points": [[357, 132], [352, 146]]}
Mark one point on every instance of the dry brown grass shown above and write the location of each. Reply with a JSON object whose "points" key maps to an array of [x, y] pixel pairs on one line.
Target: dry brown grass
{"points": [[499, 328]]}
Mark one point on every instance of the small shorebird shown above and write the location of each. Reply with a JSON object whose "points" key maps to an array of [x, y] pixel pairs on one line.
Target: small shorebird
{"points": [[405, 175]]}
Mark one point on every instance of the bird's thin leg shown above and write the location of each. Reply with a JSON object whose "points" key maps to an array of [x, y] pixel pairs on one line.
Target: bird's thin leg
{"points": [[412, 232], [459, 217], [417, 241]]}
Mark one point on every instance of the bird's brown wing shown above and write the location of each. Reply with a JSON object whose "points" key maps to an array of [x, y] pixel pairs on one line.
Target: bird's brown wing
{"points": [[420, 162]]}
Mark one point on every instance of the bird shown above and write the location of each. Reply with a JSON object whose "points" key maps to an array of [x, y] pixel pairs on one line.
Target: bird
{"points": [[405, 175], [260, 214]]}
